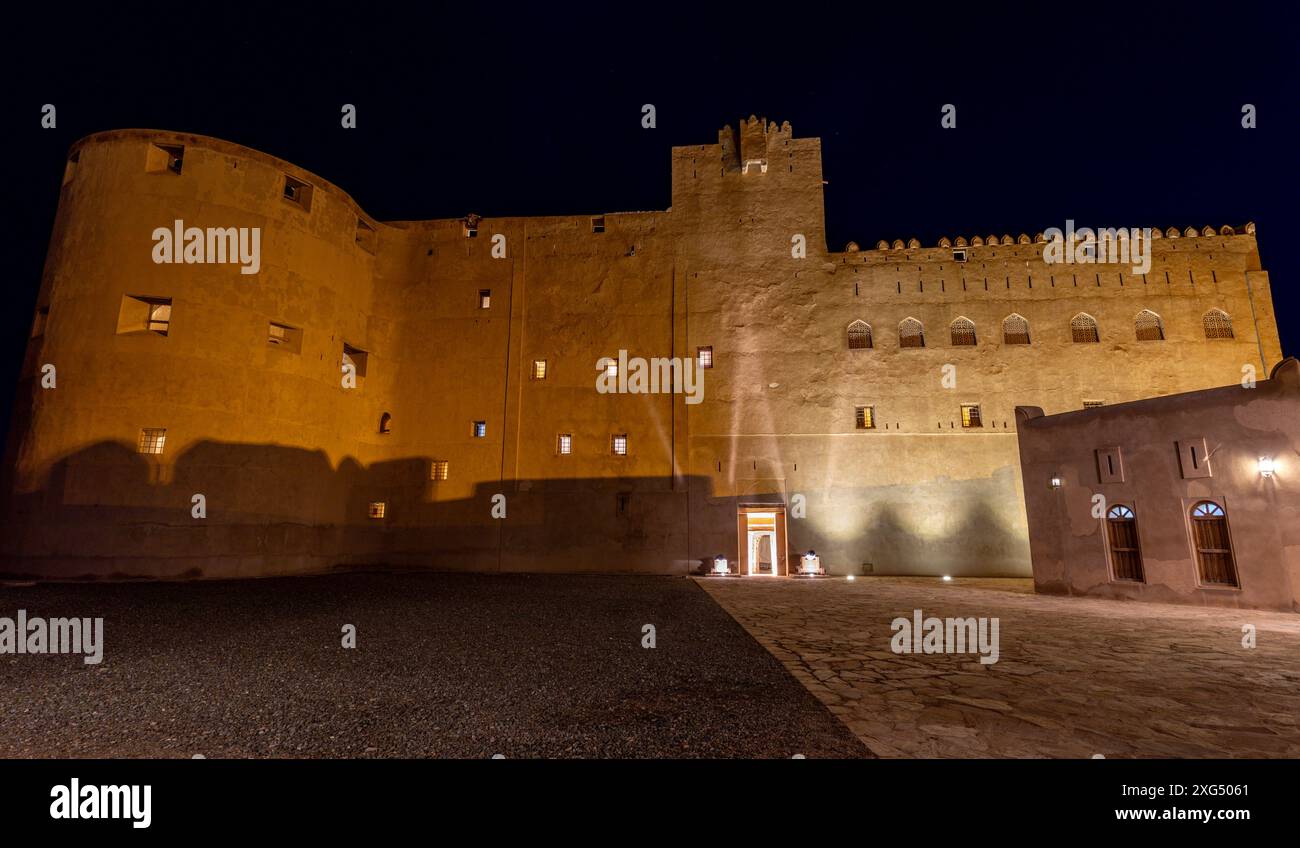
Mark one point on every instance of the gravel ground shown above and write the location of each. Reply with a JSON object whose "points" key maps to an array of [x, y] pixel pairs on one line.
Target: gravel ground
{"points": [[446, 665]]}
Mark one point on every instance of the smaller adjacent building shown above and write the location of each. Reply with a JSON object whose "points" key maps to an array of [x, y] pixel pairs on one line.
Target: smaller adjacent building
{"points": [[1190, 498]]}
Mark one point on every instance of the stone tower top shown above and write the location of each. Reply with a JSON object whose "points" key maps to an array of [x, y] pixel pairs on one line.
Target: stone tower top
{"points": [[746, 149]]}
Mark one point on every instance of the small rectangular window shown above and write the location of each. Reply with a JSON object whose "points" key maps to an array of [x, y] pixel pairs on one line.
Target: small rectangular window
{"points": [[165, 159], [480, 429], [284, 337], [438, 469], [1093, 404], [297, 192], [959, 255], [367, 238], [705, 355], [377, 509], [539, 369], [356, 358], [598, 224], [470, 230], [564, 444], [484, 298], [618, 444], [866, 417], [38, 323], [611, 367], [970, 415], [152, 440], [144, 315]]}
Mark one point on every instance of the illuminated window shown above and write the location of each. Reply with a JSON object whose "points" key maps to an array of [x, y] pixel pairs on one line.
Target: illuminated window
{"points": [[911, 333], [598, 224], [152, 440], [1015, 330], [705, 355], [1213, 546], [1083, 329], [859, 336], [611, 367], [284, 337], [1217, 324], [564, 444], [1148, 327], [970, 415], [297, 192], [963, 332], [539, 369], [618, 444], [438, 469], [144, 315], [866, 417], [377, 509], [484, 298], [1093, 404], [480, 429], [1121, 533]]}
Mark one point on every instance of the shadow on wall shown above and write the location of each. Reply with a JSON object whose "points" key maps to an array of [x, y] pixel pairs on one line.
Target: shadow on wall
{"points": [[107, 511]]}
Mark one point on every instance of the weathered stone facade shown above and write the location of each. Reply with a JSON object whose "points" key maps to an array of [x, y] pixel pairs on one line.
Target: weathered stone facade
{"points": [[288, 459]]}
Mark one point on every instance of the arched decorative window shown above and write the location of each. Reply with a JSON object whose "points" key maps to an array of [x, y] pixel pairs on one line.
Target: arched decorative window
{"points": [[384, 421], [1217, 324], [963, 332], [1213, 545], [911, 333], [1015, 329], [859, 336], [1121, 534], [1148, 327], [1083, 329]]}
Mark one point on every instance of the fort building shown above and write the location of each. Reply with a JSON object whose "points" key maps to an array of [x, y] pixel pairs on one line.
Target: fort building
{"points": [[423, 393]]}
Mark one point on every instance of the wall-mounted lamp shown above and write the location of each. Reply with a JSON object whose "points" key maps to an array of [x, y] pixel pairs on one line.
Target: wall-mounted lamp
{"points": [[1055, 481], [1266, 466], [720, 565], [947, 578]]}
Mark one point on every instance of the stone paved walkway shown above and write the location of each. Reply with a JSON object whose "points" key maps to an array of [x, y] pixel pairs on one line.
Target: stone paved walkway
{"points": [[1076, 677]]}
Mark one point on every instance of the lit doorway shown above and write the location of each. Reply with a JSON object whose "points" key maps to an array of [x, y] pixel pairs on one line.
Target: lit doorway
{"points": [[762, 541]]}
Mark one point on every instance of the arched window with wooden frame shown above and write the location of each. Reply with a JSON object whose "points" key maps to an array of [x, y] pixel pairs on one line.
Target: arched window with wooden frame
{"points": [[911, 333], [1217, 324], [860, 335], [963, 332], [1015, 329], [1148, 327], [1083, 329], [1213, 544], [1122, 539]]}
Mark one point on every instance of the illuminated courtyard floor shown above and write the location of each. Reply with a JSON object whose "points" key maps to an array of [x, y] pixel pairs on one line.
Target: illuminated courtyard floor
{"points": [[445, 665], [1074, 678]]}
